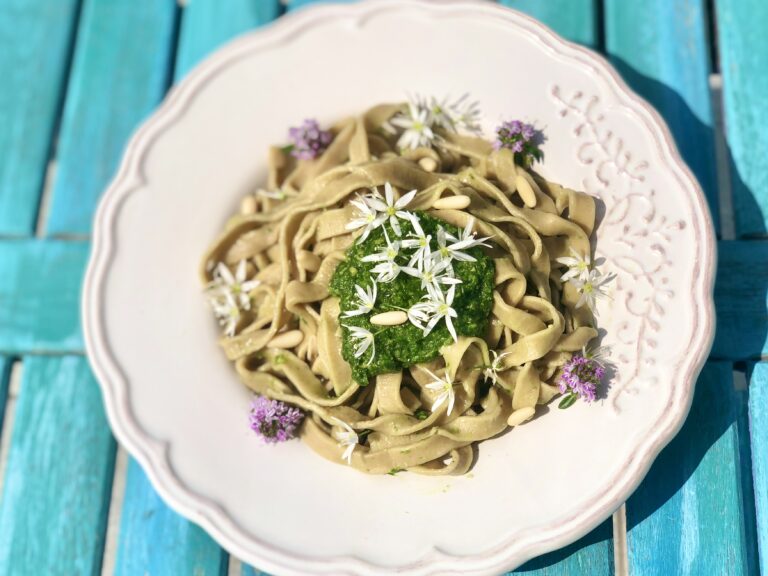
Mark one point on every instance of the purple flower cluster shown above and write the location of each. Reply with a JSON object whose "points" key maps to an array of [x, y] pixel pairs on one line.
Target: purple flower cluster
{"points": [[582, 376], [274, 421], [308, 140], [520, 138]]}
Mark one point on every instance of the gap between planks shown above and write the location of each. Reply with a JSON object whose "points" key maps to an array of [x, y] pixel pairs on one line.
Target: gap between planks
{"points": [[10, 415], [112, 539], [620, 554], [723, 167]]}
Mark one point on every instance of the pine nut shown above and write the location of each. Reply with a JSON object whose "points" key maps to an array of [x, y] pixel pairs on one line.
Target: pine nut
{"points": [[393, 318], [248, 205], [520, 416], [428, 164], [525, 191], [288, 339], [458, 202]]}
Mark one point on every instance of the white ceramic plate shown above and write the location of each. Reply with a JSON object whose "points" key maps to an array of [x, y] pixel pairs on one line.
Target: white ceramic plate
{"points": [[175, 403]]}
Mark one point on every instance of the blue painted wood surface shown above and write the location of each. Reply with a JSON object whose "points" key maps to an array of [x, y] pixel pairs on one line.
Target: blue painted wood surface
{"points": [[758, 431], [661, 49], [743, 56], [40, 295], [156, 540], [576, 20], [120, 72], [686, 517], [36, 38], [209, 23], [58, 479], [741, 299]]}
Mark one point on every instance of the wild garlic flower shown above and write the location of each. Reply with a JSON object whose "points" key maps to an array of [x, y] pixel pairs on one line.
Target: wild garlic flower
{"points": [[417, 127], [347, 438], [578, 266], [461, 114], [390, 208], [224, 282], [491, 372], [432, 272], [365, 340], [417, 239], [466, 238], [369, 219], [437, 306], [591, 288], [387, 269], [227, 313], [445, 386], [366, 299], [450, 247]]}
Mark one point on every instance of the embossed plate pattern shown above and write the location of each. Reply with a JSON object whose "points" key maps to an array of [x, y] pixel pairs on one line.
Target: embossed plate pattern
{"points": [[175, 403]]}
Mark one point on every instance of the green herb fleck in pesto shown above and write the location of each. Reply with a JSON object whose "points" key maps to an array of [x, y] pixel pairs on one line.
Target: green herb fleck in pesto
{"points": [[422, 414], [402, 346]]}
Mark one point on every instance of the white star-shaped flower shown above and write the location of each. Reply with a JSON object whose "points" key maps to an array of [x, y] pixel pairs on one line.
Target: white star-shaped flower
{"points": [[347, 438], [417, 239], [224, 282], [227, 313], [432, 272], [368, 220], [417, 126], [590, 289], [450, 247], [437, 306], [491, 372], [390, 208], [445, 387], [365, 340], [459, 115], [366, 299], [387, 269], [578, 267]]}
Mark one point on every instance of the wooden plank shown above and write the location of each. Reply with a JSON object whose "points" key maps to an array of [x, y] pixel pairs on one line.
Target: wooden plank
{"points": [[296, 4], [59, 475], [40, 295], [758, 431], [661, 50], [686, 517], [156, 540], [743, 52], [575, 20], [250, 571], [591, 555], [36, 38], [207, 24], [120, 72], [741, 297]]}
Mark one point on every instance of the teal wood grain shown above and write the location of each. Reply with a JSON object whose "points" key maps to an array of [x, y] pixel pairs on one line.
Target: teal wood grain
{"points": [[120, 72], [686, 517], [295, 4], [743, 47], [156, 540], [58, 480], [206, 24], [758, 431], [575, 20], [36, 38], [589, 556], [39, 295], [250, 571], [741, 299], [661, 49]]}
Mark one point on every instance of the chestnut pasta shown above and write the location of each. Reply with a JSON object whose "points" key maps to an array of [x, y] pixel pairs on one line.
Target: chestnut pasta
{"points": [[288, 344]]}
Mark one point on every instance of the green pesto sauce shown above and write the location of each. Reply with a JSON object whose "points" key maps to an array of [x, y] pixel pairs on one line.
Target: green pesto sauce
{"points": [[402, 346]]}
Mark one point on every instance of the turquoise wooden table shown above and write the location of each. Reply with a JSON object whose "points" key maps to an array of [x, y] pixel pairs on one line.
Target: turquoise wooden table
{"points": [[79, 75]]}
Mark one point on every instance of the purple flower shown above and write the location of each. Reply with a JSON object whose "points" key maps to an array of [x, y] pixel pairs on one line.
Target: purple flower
{"points": [[308, 140], [519, 137], [581, 376], [274, 421]]}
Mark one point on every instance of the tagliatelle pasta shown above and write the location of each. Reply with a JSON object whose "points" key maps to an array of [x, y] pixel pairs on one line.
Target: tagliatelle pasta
{"points": [[286, 331]]}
